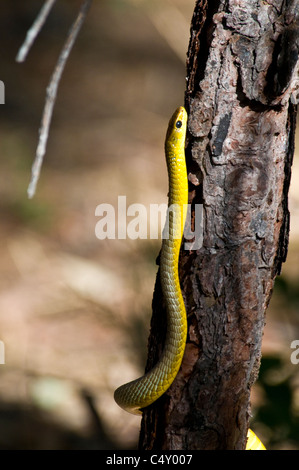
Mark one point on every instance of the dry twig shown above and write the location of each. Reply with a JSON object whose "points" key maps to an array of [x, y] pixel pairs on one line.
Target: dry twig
{"points": [[53, 84], [34, 30]]}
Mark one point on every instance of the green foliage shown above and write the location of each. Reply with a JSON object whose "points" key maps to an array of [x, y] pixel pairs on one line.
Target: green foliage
{"points": [[276, 379], [33, 213]]}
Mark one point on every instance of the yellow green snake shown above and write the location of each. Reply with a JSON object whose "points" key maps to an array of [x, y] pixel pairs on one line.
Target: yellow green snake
{"points": [[142, 392]]}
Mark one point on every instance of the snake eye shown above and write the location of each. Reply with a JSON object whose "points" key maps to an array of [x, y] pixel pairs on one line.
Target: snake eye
{"points": [[178, 124]]}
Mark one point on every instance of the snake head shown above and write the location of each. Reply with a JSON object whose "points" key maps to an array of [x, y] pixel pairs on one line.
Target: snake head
{"points": [[177, 127]]}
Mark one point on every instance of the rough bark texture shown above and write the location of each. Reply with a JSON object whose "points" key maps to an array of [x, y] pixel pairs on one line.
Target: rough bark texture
{"points": [[242, 74]]}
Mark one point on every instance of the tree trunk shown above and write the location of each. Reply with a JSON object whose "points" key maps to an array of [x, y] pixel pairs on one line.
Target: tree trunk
{"points": [[242, 74]]}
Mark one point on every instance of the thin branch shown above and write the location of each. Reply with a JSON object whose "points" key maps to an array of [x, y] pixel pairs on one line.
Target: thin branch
{"points": [[34, 30], [51, 97]]}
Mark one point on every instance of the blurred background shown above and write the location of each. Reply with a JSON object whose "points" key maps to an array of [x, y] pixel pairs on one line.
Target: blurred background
{"points": [[75, 310]]}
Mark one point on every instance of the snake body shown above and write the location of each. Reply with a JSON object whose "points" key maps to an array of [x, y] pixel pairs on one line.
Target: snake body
{"points": [[142, 392]]}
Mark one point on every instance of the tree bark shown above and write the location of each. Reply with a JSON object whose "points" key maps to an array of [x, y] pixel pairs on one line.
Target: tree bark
{"points": [[242, 80]]}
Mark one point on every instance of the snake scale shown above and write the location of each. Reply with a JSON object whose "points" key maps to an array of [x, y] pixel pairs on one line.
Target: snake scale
{"points": [[140, 393]]}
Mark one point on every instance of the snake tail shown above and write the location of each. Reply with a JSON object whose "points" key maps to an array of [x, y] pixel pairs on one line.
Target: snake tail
{"points": [[253, 442]]}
